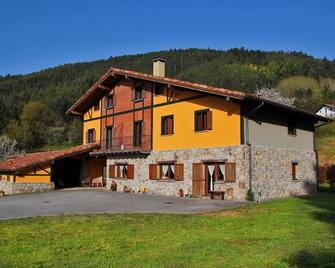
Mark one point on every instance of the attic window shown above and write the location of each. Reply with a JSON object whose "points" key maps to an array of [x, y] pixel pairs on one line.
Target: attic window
{"points": [[138, 91], [96, 106], [159, 89]]}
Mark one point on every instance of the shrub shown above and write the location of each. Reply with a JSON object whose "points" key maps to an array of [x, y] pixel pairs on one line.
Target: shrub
{"points": [[250, 195]]}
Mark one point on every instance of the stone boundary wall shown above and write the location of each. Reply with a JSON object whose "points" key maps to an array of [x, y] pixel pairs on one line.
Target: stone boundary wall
{"points": [[272, 172], [236, 154], [13, 188]]}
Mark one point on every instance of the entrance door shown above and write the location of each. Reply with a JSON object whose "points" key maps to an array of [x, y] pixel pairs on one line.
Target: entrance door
{"points": [[198, 180]]}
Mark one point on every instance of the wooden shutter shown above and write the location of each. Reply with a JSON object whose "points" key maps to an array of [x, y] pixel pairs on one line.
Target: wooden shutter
{"points": [[198, 179], [179, 172], [153, 172], [170, 125], [111, 171], [94, 135], [130, 172], [230, 170], [294, 171], [133, 92], [209, 120], [86, 136]]}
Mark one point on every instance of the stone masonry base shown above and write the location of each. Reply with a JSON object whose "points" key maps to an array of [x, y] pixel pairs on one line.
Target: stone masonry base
{"points": [[271, 171], [13, 188]]}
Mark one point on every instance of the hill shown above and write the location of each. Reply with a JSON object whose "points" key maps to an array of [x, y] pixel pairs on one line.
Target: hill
{"points": [[311, 81]]}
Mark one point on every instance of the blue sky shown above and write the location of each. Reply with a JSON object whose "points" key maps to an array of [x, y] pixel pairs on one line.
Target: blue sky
{"points": [[37, 34]]}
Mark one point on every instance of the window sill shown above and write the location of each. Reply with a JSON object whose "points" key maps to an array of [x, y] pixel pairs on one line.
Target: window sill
{"points": [[202, 131], [139, 100], [165, 180], [167, 135], [110, 107]]}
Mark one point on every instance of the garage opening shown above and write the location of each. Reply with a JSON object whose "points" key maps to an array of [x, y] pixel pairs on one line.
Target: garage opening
{"points": [[66, 173]]}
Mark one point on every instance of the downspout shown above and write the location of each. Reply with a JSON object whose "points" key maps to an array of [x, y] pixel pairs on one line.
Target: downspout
{"points": [[248, 142]]}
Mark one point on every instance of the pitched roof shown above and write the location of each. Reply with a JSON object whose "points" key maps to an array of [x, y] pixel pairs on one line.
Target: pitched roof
{"points": [[114, 72], [39, 158], [96, 91]]}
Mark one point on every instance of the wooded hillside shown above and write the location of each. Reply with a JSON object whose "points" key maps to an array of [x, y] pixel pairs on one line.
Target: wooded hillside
{"points": [[311, 81]]}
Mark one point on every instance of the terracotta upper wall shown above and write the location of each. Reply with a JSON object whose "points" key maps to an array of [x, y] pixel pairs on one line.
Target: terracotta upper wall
{"points": [[122, 115]]}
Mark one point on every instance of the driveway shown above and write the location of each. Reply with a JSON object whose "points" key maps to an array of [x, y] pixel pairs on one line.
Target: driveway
{"points": [[92, 201]]}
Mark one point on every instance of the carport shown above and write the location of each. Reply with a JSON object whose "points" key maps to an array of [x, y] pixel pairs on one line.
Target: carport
{"points": [[43, 171]]}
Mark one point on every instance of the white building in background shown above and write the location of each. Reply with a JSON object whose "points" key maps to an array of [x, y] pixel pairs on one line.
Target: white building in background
{"points": [[327, 110]]}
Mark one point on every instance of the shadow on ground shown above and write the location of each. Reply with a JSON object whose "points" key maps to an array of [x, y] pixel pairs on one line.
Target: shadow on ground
{"points": [[322, 209]]}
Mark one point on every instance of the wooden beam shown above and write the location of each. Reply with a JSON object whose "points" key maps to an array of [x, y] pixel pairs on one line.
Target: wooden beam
{"points": [[104, 88]]}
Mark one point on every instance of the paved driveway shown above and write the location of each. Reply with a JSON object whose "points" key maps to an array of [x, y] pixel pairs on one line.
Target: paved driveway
{"points": [[85, 201]]}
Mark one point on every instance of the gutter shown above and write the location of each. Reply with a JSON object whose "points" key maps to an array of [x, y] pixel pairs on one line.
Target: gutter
{"points": [[248, 141]]}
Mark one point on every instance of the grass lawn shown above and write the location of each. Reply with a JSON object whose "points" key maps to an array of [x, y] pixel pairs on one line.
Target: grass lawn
{"points": [[295, 232]]}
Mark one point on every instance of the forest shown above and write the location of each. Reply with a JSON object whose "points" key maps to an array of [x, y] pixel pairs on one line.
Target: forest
{"points": [[47, 94]]}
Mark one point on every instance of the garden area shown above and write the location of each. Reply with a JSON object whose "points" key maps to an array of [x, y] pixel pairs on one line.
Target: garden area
{"points": [[293, 232]]}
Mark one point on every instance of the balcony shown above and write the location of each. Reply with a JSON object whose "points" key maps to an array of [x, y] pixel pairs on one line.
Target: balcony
{"points": [[125, 145]]}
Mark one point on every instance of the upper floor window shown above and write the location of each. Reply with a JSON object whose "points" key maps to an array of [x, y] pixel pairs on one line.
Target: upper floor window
{"points": [[109, 100], [138, 91], [167, 125], [96, 106], [137, 138], [159, 89], [291, 128], [90, 135], [203, 120]]}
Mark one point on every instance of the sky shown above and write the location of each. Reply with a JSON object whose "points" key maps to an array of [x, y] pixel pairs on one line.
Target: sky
{"points": [[38, 34]]}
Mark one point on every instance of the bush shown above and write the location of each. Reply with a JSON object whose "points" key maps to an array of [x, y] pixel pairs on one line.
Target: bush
{"points": [[250, 195]]}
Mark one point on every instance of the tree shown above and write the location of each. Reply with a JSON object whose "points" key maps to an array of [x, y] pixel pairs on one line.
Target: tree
{"points": [[272, 94], [8, 147], [76, 132]]}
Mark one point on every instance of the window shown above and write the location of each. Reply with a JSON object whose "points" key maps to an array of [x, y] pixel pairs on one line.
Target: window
{"points": [[291, 128], [91, 135], [294, 171], [121, 171], [167, 125], [109, 100], [138, 91], [137, 134], [166, 171], [109, 136], [203, 120], [96, 106], [159, 89]]}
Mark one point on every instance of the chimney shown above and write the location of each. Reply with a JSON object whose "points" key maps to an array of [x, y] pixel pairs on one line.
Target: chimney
{"points": [[158, 67]]}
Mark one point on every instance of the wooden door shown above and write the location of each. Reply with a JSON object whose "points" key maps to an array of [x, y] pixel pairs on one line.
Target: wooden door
{"points": [[198, 179]]}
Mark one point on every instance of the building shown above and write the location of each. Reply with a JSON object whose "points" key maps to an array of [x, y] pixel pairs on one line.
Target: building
{"points": [[167, 135], [327, 110]]}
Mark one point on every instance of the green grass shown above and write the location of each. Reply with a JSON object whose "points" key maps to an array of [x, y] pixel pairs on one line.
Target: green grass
{"points": [[295, 232]]}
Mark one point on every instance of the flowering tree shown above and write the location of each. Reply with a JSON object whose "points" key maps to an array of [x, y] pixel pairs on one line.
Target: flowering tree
{"points": [[8, 147], [273, 94]]}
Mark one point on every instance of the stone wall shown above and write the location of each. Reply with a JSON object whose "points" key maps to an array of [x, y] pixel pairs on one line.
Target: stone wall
{"points": [[237, 154], [13, 188], [272, 172]]}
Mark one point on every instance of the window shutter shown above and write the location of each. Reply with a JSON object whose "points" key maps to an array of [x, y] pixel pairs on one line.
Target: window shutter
{"points": [[86, 136], [170, 125], [118, 171], [94, 135], [112, 171], [209, 120], [179, 172], [153, 172], [230, 170], [133, 93], [130, 172]]}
